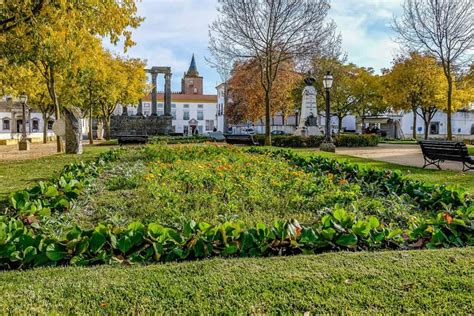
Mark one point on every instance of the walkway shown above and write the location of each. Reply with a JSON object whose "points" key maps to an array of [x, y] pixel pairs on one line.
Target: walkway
{"points": [[407, 155], [11, 152]]}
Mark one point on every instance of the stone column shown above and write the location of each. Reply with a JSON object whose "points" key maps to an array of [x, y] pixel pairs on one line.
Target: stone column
{"points": [[167, 97], [154, 94], [140, 108]]}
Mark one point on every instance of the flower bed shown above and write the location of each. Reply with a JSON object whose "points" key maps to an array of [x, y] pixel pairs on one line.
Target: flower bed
{"points": [[342, 140], [244, 202]]}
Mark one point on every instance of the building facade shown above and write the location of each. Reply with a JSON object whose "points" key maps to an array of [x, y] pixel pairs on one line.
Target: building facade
{"points": [[193, 111], [11, 121]]}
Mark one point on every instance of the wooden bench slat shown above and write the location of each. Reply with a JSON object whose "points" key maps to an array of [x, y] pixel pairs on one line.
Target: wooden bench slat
{"points": [[436, 151]]}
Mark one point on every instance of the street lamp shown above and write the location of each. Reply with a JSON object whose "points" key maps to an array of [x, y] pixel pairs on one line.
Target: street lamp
{"points": [[24, 143], [328, 144]]}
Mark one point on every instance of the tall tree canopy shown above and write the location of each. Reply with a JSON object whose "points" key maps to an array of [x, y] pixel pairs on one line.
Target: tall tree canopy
{"points": [[247, 94], [443, 29], [270, 32], [62, 36]]}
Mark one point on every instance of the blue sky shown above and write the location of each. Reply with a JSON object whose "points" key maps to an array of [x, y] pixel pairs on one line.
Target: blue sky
{"points": [[175, 29]]}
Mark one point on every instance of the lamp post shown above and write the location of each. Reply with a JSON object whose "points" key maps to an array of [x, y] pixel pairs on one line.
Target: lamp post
{"points": [[24, 143], [328, 144]]}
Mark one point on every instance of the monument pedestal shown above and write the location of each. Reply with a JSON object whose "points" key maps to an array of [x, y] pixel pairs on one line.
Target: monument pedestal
{"points": [[24, 144], [328, 147]]}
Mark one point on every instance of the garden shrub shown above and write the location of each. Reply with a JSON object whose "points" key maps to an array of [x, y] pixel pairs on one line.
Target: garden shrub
{"points": [[22, 247], [342, 140], [353, 140], [172, 140]]}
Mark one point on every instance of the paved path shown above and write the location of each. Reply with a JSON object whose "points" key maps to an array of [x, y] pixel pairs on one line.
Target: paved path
{"points": [[407, 155], [11, 152]]}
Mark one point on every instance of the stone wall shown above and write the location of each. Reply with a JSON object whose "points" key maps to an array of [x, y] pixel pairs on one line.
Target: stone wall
{"points": [[135, 125]]}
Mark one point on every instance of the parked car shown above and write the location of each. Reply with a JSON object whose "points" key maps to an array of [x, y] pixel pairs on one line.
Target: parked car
{"points": [[248, 131], [278, 132]]}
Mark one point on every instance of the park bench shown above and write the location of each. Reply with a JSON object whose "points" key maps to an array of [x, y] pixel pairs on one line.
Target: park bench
{"points": [[217, 136], [435, 152], [240, 139], [133, 137]]}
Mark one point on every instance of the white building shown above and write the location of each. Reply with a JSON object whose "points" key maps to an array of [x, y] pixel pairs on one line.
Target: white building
{"points": [[192, 110], [11, 119]]}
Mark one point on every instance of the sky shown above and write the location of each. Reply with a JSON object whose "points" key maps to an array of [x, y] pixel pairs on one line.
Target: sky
{"points": [[175, 29]]}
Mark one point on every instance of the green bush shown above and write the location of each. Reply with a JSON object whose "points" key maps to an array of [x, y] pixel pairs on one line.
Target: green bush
{"points": [[342, 140], [353, 140], [172, 140]]}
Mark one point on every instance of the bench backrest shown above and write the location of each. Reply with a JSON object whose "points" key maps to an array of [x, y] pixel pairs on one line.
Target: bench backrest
{"points": [[444, 150], [240, 139]]}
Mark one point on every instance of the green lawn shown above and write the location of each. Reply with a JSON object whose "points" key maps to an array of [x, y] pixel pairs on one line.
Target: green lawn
{"points": [[426, 282], [17, 175], [464, 180]]}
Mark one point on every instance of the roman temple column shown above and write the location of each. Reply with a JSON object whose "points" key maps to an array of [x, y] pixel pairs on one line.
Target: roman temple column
{"points": [[154, 93], [167, 97]]}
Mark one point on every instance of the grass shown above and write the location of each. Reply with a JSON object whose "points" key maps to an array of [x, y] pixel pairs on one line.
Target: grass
{"points": [[17, 175], [464, 180], [422, 282], [433, 282]]}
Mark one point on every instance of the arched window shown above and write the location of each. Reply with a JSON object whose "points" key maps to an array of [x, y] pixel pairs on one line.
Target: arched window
{"points": [[472, 129], [50, 125], [6, 124]]}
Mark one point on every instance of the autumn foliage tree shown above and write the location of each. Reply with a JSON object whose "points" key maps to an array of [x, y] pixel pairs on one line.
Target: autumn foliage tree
{"points": [[415, 83], [60, 37], [247, 96]]}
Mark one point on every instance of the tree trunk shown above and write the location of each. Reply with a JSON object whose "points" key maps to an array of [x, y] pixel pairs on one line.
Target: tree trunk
{"points": [[45, 128], [414, 123], [268, 136], [54, 98], [450, 100], [91, 133], [339, 124], [427, 126], [107, 128]]}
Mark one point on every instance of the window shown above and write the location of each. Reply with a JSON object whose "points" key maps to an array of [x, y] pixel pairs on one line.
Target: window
{"points": [[200, 106], [146, 113], [173, 114], [186, 106], [160, 113], [195, 90], [35, 126], [173, 106], [186, 115], [434, 128], [50, 124], [6, 124], [472, 129], [201, 129], [147, 104], [200, 115], [161, 105], [209, 125]]}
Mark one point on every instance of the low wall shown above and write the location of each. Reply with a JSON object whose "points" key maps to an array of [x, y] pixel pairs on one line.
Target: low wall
{"points": [[129, 125]]}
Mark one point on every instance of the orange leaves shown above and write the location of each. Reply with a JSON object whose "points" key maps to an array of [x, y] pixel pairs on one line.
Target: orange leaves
{"points": [[448, 218]]}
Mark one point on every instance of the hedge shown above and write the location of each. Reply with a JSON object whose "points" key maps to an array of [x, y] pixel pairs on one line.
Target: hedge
{"points": [[342, 140]]}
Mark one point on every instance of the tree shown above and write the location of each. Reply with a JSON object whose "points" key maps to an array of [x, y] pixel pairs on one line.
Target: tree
{"points": [[270, 32], [23, 79], [60, 40], [368, 87], [248, 96], [416, 83], [123, 84], [442, 28]]}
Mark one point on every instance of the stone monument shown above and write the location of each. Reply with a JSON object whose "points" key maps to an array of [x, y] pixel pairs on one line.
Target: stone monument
{"points": [[73, 130], [308, 116]]}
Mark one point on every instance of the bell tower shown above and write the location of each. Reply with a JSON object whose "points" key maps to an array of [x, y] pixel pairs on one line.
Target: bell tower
{"points": [[192, 83]]}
